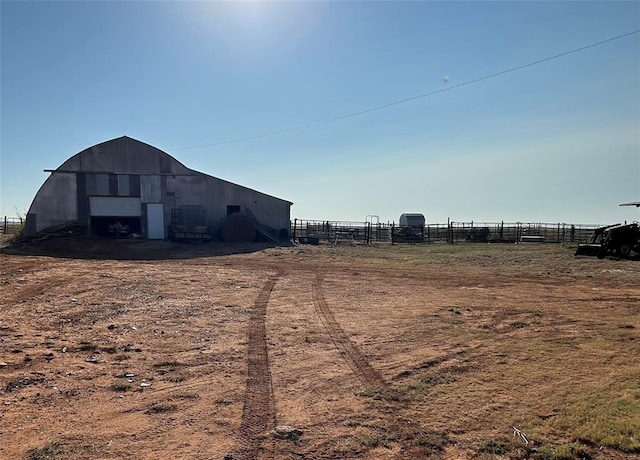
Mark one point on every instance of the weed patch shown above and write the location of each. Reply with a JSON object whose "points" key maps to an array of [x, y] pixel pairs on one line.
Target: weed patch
{"points": [[381, 394], [431, 442], [490, 446], [120, 387], [379, 439], [419, 388], [176, 378], [87, 346], [573, 451], [608, 415], [49, 451]]}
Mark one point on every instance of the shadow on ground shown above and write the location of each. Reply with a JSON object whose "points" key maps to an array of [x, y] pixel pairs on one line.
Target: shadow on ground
{"points": [[107, 249]]}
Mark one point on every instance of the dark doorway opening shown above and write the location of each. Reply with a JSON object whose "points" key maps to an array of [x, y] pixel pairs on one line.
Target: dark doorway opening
{"points": [[233, 209], [115, 227]]}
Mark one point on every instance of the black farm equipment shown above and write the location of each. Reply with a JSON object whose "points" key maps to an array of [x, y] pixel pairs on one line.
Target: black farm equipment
{"points": [[618, 240]]}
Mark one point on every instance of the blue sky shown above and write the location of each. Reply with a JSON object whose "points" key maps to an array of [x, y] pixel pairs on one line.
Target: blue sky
{"points": [[554, 142]]}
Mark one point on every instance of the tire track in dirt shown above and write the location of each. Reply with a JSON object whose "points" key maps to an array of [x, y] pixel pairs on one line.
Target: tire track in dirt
{"points": [[414, 441], [258, 414], [352, 354]]}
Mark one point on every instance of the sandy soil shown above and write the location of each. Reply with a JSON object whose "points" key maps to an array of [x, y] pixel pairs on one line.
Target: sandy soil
{"points": [[148, 350]]}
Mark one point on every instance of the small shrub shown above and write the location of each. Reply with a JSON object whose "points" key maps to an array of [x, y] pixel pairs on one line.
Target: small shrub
{"points": [[111, 349], [120, 387], [430, 363], [432, 441], [18, 230], [490, 446], [374, 440], [87, 346], [49, 451]]}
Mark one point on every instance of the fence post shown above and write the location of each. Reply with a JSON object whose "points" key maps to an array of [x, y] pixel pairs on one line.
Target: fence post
{"points": [[5, 225], [295, 224]]}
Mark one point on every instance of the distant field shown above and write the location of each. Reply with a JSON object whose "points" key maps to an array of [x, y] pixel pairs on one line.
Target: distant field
{"points": [[373, 352]]}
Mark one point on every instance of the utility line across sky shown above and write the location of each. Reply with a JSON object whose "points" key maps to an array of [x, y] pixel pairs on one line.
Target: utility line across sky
{"points": [[409, 99]]}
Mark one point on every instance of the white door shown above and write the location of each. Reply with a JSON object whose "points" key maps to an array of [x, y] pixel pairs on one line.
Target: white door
{"points": [[155, 221]]}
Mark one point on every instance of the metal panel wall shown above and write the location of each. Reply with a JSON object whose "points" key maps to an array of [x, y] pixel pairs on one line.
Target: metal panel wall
{"points": [[107, 206], [150, 189], [48, 208], [134, 185]]}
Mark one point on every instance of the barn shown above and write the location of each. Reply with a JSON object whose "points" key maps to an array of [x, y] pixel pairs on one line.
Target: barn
{"points": [[126, 188]]}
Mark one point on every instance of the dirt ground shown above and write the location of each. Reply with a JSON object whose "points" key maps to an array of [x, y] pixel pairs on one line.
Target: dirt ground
{"points": [[153, 350]]}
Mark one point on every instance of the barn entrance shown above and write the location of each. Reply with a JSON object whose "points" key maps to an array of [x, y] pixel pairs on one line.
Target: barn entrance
{"points": [[115, 217]]}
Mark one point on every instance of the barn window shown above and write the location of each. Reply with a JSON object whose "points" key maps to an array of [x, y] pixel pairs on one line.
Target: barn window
{"points": [[102, 184], [124, 184], [233, 209]]}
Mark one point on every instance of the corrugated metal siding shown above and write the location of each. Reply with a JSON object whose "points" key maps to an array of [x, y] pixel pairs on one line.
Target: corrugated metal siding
{"points": [[55, 202], [126, 167], [119, 206], [150, 189], [134, 185]]}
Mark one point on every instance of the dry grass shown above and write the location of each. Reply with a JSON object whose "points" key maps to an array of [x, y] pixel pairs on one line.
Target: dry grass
{"points": [[468, 341]]}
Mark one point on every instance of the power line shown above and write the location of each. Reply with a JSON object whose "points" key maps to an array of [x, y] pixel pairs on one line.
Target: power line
{"points": [[409, 99]]}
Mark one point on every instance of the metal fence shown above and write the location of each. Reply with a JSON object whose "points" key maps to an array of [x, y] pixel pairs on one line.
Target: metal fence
{"points": [[337, 231], [11, 225], [451, 232], [508, 232]]}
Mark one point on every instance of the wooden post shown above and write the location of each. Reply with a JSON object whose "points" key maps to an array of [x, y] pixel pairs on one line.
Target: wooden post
{"points": [[295, 224], [451, 232]]}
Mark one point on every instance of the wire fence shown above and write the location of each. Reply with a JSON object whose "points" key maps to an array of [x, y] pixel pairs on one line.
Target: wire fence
{"points": [[11, 225], [316, 231]]}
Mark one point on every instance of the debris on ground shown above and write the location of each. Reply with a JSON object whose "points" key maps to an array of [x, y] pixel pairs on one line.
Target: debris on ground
{"points": [[285, 432]]}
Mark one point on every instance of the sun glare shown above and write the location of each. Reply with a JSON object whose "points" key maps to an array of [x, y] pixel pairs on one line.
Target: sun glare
{"points": [[272, 27]]}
